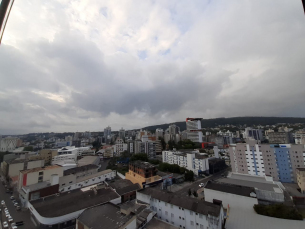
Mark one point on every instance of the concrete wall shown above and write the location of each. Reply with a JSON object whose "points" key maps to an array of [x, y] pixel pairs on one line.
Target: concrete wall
{"points": [[35, 164], [230, 199], [32, 178], [13, 169], [68, 183]]}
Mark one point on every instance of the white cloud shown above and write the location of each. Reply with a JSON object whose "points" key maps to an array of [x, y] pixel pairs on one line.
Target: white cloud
{"points": [[72, 65]]}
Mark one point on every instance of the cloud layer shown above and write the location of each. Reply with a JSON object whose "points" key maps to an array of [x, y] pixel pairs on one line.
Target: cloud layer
{"points": [[70, 65]]}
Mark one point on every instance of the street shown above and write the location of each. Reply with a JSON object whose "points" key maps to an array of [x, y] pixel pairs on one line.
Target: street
{"points": [[195, 184], [23, 215]]}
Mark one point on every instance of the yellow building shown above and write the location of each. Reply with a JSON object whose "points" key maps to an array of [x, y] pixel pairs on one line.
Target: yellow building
{"points": [[301, 178], [142, 173]]}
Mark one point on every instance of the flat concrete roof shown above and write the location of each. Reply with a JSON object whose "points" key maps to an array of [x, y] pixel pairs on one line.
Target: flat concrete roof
{"points": [[158, 224], [252, 184], [104, 216], [247, 218], [69, 202]]}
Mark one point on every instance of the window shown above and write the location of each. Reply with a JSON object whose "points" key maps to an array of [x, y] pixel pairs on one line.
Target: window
{"points": [[200, 216], [191, 213], [201, 226], [166, 213], [192, 223], [172, 215]]}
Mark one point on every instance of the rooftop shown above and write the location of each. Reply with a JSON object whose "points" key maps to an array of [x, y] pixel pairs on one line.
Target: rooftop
{"points": [[199, 206], [15, 161], [142, 164], [80, 169], [40, 169], [230, 188], [93, 175], [104, 216], [124, 186], [133, 207], [252, 184], [155, 223], [87, 160], [68, 202], [247, 218]]}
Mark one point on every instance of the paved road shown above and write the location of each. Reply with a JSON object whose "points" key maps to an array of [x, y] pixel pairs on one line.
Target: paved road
{"points": [[16, 215], [195, 184]]}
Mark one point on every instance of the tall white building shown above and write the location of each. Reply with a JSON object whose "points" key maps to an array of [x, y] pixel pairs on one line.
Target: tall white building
{"points": [[159, 133], [8, 143], [193, 128], [191, 160], [120, 146]]}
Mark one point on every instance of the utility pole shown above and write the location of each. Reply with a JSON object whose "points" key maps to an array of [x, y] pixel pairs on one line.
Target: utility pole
{"points": [[4, 6]]}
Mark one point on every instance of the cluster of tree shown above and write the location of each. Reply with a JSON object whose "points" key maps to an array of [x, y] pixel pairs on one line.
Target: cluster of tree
{"points": [[195, 194], [28, 148], [185, 144], [165, 167], [278, 211]]}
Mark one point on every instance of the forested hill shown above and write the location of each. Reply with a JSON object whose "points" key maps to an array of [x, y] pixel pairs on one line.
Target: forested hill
{"points": [[249, 121]]}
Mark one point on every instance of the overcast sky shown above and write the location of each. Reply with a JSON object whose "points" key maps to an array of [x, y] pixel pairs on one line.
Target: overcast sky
{"points": [[77, 65]]}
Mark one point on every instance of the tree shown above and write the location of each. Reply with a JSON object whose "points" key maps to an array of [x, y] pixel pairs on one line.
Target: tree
{"points": [[195, 193], [189, 176], [139, 156], [190, 192]]}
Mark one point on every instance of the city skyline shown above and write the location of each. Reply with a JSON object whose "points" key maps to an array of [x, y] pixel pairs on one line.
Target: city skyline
{"points": [[86, 65]]}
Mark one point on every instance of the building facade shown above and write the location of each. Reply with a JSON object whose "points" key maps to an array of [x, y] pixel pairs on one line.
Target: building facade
{"points": [[280, 138], [301, 179], [142, 173], [193, 128], [183, 212], [279, 161], [193, 161]]}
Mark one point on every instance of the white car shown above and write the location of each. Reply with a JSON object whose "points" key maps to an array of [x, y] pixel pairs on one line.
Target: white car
{"points": [[201, 185], [14, 227], [7, 214], [12, 197], [10, 219], [15, 204], [5, 224], [2, 202]]}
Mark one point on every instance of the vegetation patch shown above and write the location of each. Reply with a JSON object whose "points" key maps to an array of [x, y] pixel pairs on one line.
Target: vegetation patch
{"points": [[278, 211]]}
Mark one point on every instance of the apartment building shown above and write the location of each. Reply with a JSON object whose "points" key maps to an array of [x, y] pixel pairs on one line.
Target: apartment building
{"points": [[279, 161], [193, 128], [120, 146], [183, 212], [190, 160], [142, 173], [301, 179], [47, 155], [280, 138], [9, 144]]}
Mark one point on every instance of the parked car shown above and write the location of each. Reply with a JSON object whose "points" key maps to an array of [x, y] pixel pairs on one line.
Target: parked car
{"points": [[14, 227], [10, 219], [201, 185], [5, 224], [18, 208], [12, 197], [2, 202], [19, 223]]}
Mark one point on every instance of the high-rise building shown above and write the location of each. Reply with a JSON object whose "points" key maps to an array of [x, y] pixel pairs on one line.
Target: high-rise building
{"points": [[256, 134], [279, 161], [122, 133], [159, 133], [173, 129], [107, 135], [280, 138], [193, 128]]}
